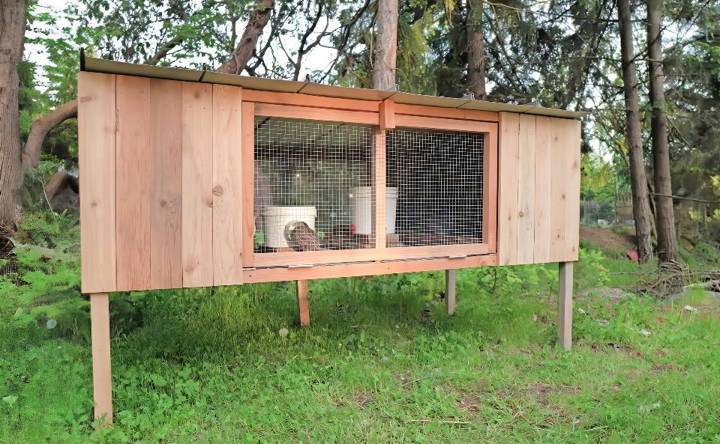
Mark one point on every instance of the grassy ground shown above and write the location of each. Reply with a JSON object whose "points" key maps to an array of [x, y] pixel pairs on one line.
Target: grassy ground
{"points": [[381, 362]]}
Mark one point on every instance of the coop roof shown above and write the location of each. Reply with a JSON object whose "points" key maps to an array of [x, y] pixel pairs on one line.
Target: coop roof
{"points": [[111, 67]]}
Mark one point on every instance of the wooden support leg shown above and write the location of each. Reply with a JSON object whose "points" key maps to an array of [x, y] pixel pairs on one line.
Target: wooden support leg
{"points": [[565, 305], [102, 374], [450, 293], [303, 306]]}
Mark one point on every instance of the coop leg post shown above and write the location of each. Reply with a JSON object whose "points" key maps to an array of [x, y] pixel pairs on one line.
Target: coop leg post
{"points": [[303, 306], [565, 305], [102, 374], [450, 293]]}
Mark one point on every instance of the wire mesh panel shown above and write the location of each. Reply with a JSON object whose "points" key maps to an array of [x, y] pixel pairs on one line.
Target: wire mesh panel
{"points": [[438, 178], [313, 188]]}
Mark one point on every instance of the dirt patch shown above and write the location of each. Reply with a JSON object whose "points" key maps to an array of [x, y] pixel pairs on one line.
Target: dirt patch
{"points": [[360, 399], [668, 367], [543, 391], [623, 348], [607, 239], [468, 401]]}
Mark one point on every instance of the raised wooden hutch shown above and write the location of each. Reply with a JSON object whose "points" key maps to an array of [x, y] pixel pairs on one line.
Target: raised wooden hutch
{"points": [[195, 178]]}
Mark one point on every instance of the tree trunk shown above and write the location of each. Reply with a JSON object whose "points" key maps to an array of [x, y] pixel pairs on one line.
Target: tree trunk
{"points": [[633, 136], [386, 45], [244, 50], [664, 217], [13, 15], [476, 50], [41, 127]]}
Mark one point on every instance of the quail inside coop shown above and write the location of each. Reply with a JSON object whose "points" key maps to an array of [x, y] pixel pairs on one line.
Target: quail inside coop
{"points": [[301, 237]]}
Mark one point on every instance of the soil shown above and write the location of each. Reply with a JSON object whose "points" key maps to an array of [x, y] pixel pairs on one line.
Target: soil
{"points": [[607, 239]]}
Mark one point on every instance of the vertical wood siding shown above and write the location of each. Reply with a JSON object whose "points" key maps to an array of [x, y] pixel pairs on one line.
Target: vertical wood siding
{"points": [[539, 195], [509, 161], [227, 149], [166, 194], [134, 183], [197, 179], [96, 136], [147, 189]]}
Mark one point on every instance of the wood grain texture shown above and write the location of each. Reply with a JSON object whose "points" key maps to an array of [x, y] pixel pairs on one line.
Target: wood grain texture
{"points": [[387, 114], [366, 269], [526, 190], [314, 113], [509, 161], [280, 98], [101, 367], [442, 123], [543, 198], [572, 132], [380, 189], [166, 194], [303, 304], [227, 148], [490, 190], [450, 290], [248, 182], [197, 183], [134, 183], [365, 254], [97, 144], [565, 190], [539, 196], [565, 304], [451, 113]]}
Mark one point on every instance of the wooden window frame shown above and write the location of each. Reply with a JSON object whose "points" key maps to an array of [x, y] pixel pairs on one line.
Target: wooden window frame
{"points": [[344, 110]]}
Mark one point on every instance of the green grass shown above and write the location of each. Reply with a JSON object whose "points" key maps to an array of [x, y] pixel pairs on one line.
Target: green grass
{"points": [[382, 361]]}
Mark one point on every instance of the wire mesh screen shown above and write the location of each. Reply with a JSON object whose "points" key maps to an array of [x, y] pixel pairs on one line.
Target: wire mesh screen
{"points": [[313, 188], [438, 178]]}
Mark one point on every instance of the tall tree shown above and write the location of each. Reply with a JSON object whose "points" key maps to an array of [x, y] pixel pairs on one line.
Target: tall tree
{"points": [[476, 49], [13, 16], [245, 47], [664, 212], [633, 135], [386, 44]]}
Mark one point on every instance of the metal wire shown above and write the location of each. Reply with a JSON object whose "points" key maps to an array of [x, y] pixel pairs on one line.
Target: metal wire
{"points": [[313, 187], [439, 178]]}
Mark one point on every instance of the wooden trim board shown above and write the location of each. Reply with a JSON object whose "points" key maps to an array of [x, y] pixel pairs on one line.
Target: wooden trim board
{"points": [[365, 269], [313, 113]]}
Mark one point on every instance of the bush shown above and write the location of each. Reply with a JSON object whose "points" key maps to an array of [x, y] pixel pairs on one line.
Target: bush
{"points": [[44, 290]]}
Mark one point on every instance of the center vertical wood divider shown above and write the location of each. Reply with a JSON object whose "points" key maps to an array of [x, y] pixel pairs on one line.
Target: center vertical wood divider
{"points": [[379, 185], [248, 188]]}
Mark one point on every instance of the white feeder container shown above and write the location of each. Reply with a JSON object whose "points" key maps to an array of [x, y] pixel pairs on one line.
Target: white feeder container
{"points": [[277, 218], [362, 209]]}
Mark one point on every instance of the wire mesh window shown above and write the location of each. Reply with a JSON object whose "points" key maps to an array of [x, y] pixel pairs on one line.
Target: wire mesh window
{"points": [[438, 179], [313, 188]]}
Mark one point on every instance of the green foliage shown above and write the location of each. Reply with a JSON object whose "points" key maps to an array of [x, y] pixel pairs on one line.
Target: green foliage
{"points": [[45, 289]]}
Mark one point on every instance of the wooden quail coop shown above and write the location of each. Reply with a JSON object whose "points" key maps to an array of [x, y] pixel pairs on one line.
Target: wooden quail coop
{"points": [[194, 178]]}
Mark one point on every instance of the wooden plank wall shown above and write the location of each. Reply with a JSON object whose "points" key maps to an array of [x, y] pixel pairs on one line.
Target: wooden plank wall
{"points": [[154, 156], [96, 137], [539, 189]]}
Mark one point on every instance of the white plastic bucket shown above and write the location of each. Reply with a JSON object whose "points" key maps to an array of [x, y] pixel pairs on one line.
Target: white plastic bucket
{"points": [[277, 218], [362, 209]]}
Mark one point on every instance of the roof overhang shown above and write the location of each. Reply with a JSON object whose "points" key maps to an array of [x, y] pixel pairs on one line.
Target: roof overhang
{"points": [[91, 64]]}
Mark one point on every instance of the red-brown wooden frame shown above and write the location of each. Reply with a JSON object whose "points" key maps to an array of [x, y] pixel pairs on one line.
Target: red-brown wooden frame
{"points": [[379, 115]]}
